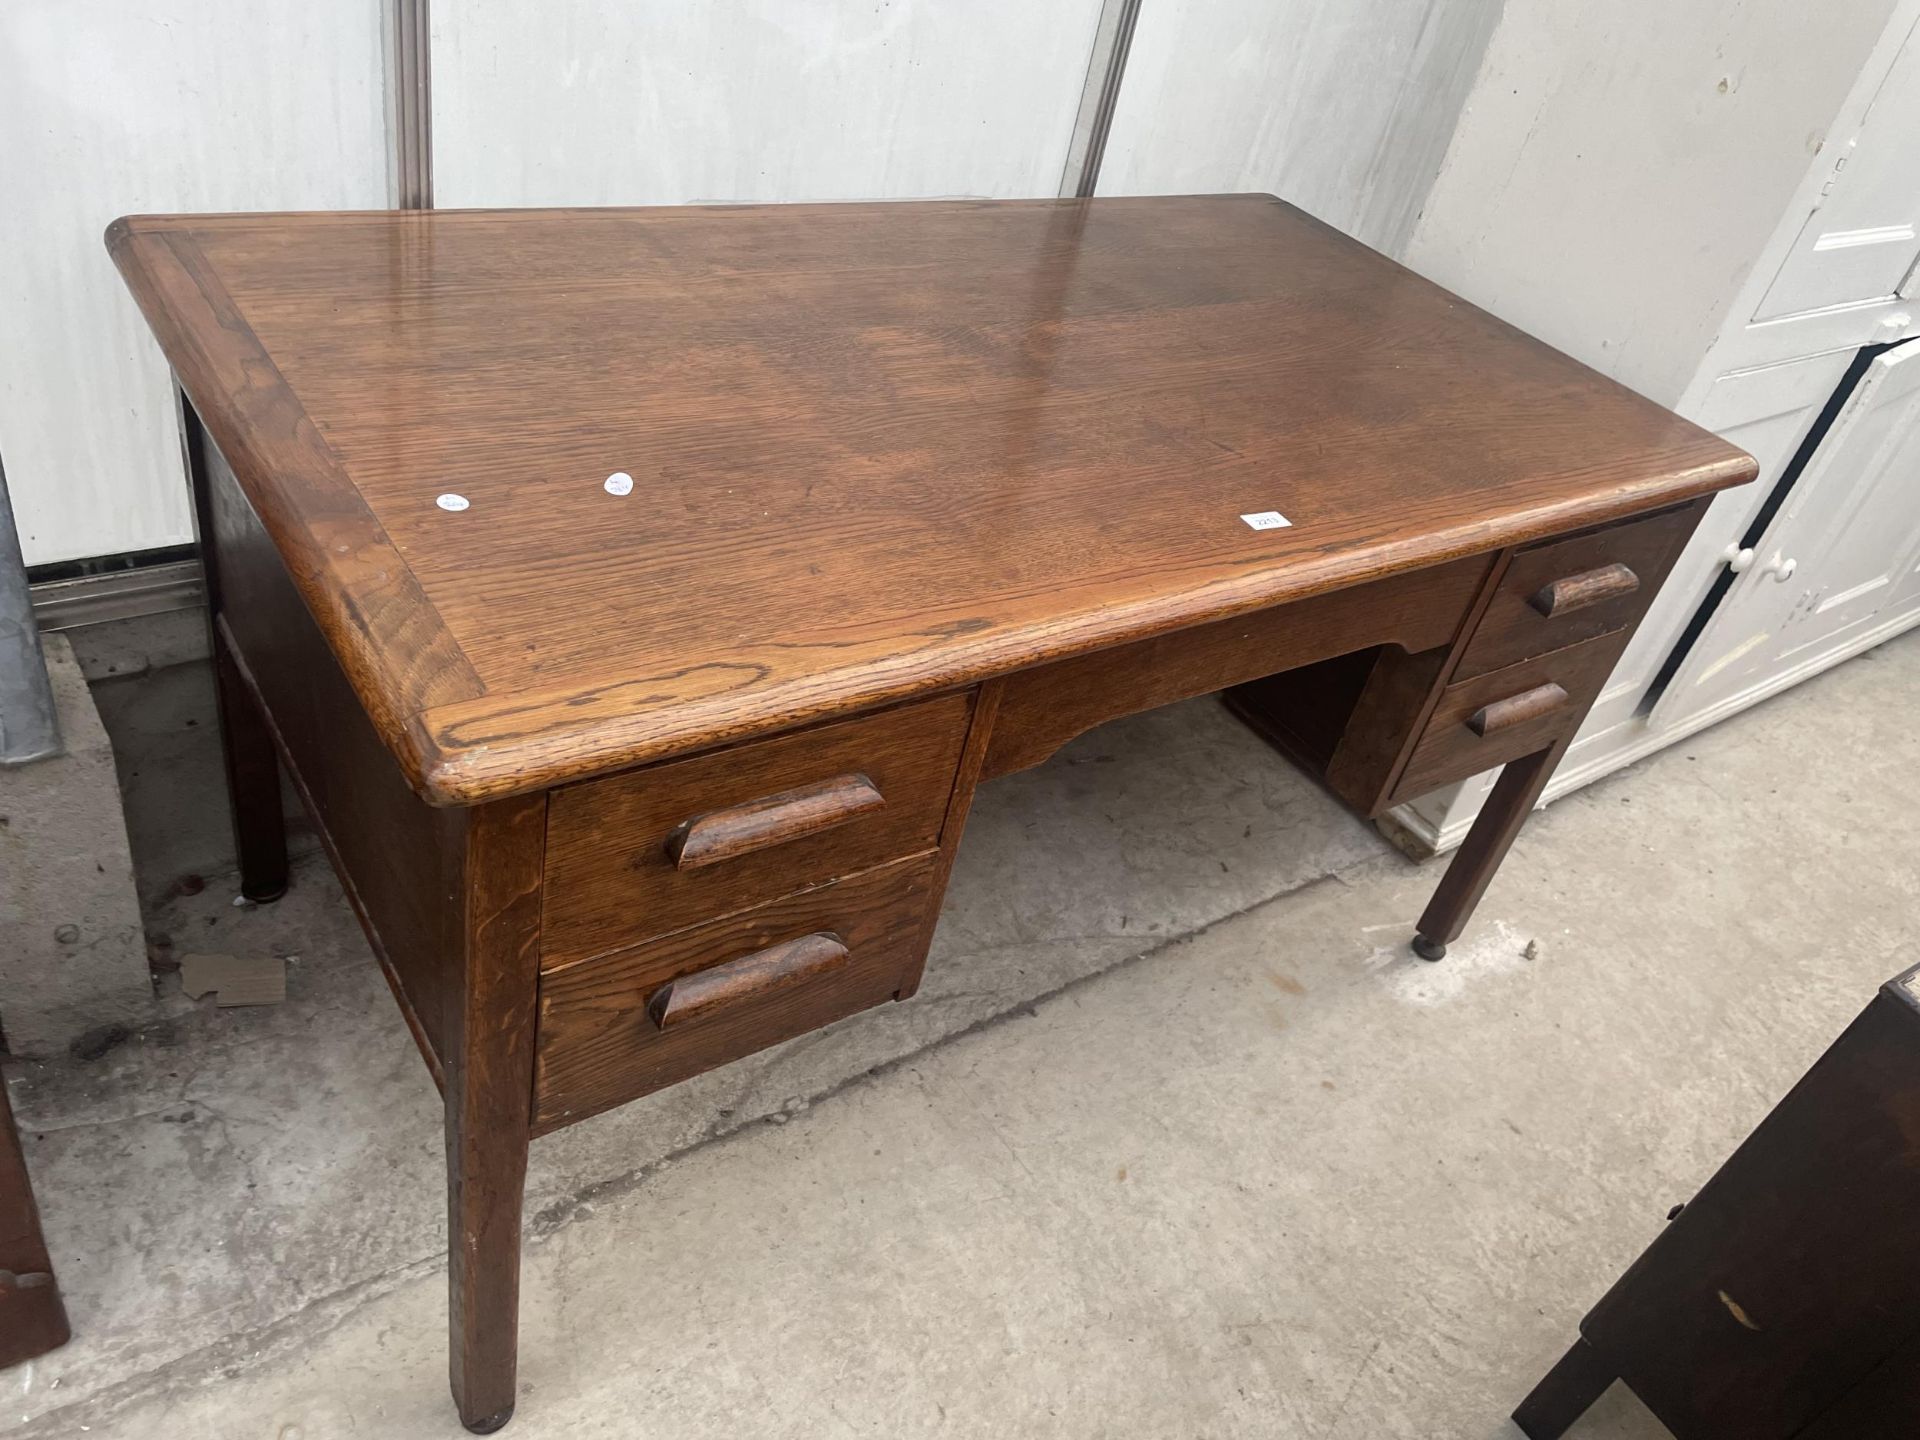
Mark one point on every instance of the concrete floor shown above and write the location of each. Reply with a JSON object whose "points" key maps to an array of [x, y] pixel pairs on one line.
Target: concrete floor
{"points": [[1176, 1140]]}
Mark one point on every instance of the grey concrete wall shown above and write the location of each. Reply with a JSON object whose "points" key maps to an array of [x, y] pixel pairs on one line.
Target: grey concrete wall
{"points": [[74, 956]]}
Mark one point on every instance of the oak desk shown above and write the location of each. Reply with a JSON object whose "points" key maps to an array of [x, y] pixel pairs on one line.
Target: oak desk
{"points": [[627, 785]]}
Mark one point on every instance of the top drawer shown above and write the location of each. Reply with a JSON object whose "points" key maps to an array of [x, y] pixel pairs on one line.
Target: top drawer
{"points": [[1562, 592], [651, 851]]}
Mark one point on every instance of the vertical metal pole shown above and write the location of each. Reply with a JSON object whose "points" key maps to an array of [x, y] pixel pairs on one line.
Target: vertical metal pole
{"points": [[410, 102], [29, 727], [1106, 67]]}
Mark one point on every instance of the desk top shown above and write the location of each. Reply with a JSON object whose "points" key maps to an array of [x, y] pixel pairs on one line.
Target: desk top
{"points": [[876, 450]]}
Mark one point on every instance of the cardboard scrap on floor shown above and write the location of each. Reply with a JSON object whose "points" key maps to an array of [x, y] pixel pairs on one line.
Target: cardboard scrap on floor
{"points": [[235, 979]]}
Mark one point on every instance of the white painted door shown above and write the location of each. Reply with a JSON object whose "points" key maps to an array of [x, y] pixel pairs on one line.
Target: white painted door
{"points": [[1861, 241], [1835, 570], [1766, 411]]}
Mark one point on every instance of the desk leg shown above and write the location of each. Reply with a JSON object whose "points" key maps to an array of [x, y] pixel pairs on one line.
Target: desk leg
{"points": [[246, 744], [253, 782], [1567, 1393], [1493, 833], [489, 1100]]}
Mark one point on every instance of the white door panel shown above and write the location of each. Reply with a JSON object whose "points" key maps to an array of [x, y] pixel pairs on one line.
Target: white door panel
{"points": [[1767, 412], [1837, 557], [1905, 598], [1861, 242]]}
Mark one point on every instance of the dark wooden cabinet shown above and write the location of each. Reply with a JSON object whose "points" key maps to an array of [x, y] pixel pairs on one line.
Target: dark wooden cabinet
{"points": [[1783, 1301], [32, 1318]]}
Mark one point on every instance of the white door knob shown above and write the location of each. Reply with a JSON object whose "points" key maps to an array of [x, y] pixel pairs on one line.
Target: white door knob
{"points": [[1737, 559], [1779, 568]]}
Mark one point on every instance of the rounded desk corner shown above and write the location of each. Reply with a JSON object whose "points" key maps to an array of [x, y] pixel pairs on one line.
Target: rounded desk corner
{"points": [[123, 230], [444, 784], [443, 778], [1732, 470]]}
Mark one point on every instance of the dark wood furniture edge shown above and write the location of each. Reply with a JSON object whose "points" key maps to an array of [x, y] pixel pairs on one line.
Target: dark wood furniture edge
{"points": [[1808, 1219], [33, 1318], [252, 414], [1809, 1144], [228, 652]]}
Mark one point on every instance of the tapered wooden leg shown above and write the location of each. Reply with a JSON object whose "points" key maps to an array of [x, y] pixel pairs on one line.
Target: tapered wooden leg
{"points": [[1570, 1388], [246, 744], [489, 1098], [253, 782], [486, 1170], [1493, 833]]}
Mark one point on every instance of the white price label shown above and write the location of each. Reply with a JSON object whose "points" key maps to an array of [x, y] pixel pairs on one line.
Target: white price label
{"points": [[1267, 520]]}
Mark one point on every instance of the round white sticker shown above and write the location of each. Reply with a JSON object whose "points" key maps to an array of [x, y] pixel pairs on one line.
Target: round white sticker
{"points": [[619, 483], [452, 502]]}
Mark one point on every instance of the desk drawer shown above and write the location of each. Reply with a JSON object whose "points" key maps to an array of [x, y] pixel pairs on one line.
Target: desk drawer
{"points": [[1562, 592], [620, 1026], [1491, 719], [656, 850]]}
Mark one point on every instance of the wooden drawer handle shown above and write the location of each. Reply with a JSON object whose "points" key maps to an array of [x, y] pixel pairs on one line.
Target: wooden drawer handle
{"points": [[1516, 710], [751, 977], [740, 829], [1578, 592]]}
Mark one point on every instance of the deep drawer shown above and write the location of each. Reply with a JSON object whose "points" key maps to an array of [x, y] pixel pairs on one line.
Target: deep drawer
{"points": [[1563, 592], [619, 1026], [655, 850], [1491, 719]]}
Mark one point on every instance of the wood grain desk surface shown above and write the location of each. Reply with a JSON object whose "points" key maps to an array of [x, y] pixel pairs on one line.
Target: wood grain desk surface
{"points": [[877, 449]]}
